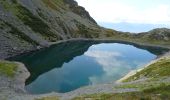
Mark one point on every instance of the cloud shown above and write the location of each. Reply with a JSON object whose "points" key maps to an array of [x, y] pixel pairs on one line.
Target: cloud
{"points": [[113, 64], [102, 54], [113, 67], [120, 11]]}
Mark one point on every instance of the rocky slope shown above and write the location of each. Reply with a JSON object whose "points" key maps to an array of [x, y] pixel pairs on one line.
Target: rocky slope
{"points": [[30, 24]]}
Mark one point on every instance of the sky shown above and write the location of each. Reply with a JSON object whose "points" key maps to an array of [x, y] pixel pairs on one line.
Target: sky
{"points": [[129, 11]]}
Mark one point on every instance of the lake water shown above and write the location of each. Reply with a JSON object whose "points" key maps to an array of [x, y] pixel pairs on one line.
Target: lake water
{"points": [[67, 66]]}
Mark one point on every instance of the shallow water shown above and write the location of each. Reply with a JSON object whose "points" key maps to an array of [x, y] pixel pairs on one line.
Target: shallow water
{"points": [[67, 66]]}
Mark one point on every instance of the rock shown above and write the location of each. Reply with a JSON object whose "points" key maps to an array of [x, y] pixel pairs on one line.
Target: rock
{"points": [[16, 83], [38, 47]]}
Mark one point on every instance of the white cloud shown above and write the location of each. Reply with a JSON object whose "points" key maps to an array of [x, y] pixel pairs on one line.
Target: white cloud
{"points": [[110, 64], [116, 11], [101, 54]]}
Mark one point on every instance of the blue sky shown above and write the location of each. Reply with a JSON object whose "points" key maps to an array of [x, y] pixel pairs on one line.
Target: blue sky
{"points": [[129, 11]]}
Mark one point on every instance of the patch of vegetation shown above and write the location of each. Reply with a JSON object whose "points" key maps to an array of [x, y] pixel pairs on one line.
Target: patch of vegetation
{"points": [[84, 31], [5, 4], [143, 85], [14, 1], [39, 11], [158, 69], [162, 88], [48, 98], [8, 68], [124, 96], [55, 4], [161, 92]]}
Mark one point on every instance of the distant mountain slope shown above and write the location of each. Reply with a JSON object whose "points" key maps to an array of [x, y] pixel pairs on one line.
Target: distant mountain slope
{"points": [[155, 37], [157, 34], [28, 24], [133, 27]]}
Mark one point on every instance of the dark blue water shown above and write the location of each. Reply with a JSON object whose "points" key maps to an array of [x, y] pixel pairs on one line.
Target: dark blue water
{"points": [[71, 65]]}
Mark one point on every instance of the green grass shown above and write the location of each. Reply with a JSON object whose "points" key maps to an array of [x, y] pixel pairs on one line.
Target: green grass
{"points": [[156, 70], [143, 85], [48, 98], [8, 68], [162, 88], [161, 92]]}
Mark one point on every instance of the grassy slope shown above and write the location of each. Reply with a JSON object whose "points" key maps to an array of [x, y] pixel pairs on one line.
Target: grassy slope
{"points": [[156, 85], [156, 70]]}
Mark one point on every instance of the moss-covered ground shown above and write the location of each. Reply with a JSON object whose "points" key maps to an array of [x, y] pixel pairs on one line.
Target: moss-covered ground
{"points": [[8, 68]]}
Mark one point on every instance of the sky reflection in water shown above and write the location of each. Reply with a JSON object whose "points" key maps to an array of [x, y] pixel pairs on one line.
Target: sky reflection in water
{"points": [[102, 63]]}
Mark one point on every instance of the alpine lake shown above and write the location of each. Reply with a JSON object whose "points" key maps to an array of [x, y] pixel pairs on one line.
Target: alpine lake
{"points": [[67, 66]]}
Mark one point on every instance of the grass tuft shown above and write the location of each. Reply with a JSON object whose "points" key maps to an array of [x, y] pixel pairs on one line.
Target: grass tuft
{"points": [[8, 68], [48, 98]]}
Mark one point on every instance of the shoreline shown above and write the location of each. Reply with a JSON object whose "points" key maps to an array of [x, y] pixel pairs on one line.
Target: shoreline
{"points": [[86, 90], [110, 40], [95, 40], [133, 72]]}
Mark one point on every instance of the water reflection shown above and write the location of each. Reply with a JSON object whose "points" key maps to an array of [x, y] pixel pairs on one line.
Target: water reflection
{"points": [[116, 60], [68, 66]]}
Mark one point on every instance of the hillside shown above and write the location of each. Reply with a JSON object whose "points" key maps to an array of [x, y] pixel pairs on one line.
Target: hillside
{"points": [[30, 24], [157, 37], [159, 34]]}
